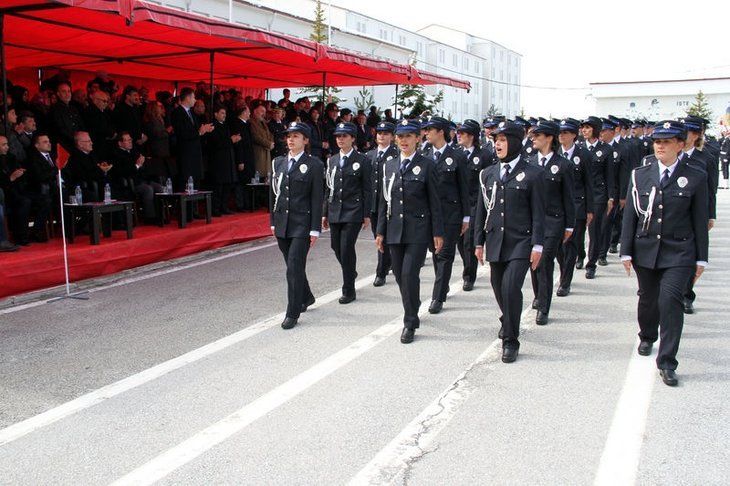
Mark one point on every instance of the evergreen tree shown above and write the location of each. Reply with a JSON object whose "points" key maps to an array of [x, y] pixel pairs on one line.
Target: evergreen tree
{"points": [[492, 111], [319, 34], [413, 100], [700, 107], [364, 99]]}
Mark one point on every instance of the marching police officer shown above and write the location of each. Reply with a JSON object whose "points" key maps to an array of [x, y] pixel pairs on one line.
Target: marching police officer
{"points": [[348, 202], [604, 188], [451, 171], [385, 150], [510, 219], [559, 213], [295, 207], [574, 249], [409, 219], [477, 159], [665, 238]]}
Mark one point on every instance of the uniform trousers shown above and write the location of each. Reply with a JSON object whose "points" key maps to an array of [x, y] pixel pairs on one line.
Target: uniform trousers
{"points": [[542, 278], [572, 251], [343, 237], [466, 250], [407, 260], [595, 235], [608, 223], [661, 310], [443, 262], [298, 292], [507, 279], [383, 258]]}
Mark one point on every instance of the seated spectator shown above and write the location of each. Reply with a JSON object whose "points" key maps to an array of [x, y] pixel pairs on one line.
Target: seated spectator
{"points": [[160, 164], [64, 118], [131, 176], [98, 118], [221, 166], [277, 129], [86, 171], [10, 129], [127, 117], [26, 130], [5, 245]]}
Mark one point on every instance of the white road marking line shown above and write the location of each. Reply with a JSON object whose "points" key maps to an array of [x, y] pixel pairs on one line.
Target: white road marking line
{"points": [[181, 454], [620, 458], [17, 430]]}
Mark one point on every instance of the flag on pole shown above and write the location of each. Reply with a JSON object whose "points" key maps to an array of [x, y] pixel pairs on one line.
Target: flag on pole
{"points": [[61, 157]]}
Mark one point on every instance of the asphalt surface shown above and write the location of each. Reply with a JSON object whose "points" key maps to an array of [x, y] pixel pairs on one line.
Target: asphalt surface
{"points": [[338, 399]]}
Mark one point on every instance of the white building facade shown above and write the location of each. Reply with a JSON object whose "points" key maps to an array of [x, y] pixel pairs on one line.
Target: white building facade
{"points": [[659, 100], [494, 71]]}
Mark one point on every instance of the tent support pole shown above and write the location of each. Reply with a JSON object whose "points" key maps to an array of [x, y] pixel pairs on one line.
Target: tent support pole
{"points": [[324, 88], [4, 68], [395, 103], [212, 91]]}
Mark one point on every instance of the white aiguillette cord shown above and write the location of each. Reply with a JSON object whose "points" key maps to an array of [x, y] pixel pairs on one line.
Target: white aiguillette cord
{"points": [[330, 179], [388, 189], [646, 213], [276, 186], [488, 202]]}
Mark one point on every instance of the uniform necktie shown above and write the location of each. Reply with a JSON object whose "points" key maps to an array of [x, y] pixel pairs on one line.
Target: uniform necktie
{"points": [[665, 178], [565, 154], [292, 161], [380, 155], [48, 158], [436, 155], [506, 173], [542, 161], [343, 161], [592, 148], [404, 166]]}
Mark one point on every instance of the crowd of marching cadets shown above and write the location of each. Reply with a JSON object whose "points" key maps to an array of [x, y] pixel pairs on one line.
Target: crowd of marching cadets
{"points": [[518, 194]]}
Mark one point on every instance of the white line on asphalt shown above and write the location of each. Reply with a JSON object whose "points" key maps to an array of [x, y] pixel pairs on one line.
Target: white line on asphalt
{"points": [[99, 395], [620, 458], [181, 454]]}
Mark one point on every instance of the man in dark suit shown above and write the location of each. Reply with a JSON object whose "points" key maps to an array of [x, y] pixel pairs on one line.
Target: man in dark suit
{"points": [[64, 117], [297, 195], [385, 151], [453, 187], [42, 181], [133, 180], [221, 164], [187, 132], [559, 214], [17, 200], [477, 159], [605, 190], [574, 249], [243, 156], [510, 219], [409, 219], [127, 115], [99, 120], [347, 205], [364, 138], [665, 238]]}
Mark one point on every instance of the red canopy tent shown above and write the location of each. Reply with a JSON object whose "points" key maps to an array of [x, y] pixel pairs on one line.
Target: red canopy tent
{"points": [[144, 40]]}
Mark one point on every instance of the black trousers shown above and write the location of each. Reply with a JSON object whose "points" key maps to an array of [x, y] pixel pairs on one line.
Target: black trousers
{"points": [[383, 258], [726, 170], [343, 237], [616, 229], [572, 251], [607, 227], [689, 292], [221, 195], [466, 250], [595, 235], [661, 310], [542, 278], [443, 262], [407, 260], [507, 279], [298, 292]]}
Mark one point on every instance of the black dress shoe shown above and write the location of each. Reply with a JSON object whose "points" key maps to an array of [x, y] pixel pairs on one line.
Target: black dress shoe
{"points": [[602, 262], [613, 249], [590, 273], [307, 304], [534, 303], [6, 246], [509, 354], [500, 334], [541, 319], [563, 291], [289, 323], [346, 299], [669, 377], [379, 282], [579, 265], [645, 348], [468, 286], [407, 335], [435, 307], [689, 307]]}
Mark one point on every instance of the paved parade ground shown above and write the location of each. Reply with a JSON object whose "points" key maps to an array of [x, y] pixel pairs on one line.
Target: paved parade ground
{"points": [[183, 376]]}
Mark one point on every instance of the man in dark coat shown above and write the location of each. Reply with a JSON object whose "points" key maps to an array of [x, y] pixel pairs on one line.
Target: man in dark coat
{"points": [[243, 156], [221, 162], [187, 132]]}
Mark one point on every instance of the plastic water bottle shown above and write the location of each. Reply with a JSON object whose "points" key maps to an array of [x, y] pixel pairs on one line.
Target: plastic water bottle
{"points": [[257, 178], [191, 187], [168, 186], [79, 195], [107, 193]]}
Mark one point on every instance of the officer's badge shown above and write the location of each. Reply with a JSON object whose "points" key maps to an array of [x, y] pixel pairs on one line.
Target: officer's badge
{"points": [[342, 125], [293, 125], [355, 166], [667, 125], [404, 122], [382, 125], [599, 153], [529, 150], [576, 160], [303, 168], [449, 161], [563, 122], [615, 155], [520, 176], [390, 157], [501, 124], [476, 160], [416, 170], [554, 169], [682, 182]]}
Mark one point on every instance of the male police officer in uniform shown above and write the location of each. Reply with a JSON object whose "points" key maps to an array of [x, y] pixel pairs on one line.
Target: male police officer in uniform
{"points": [[347, 204], [409, 219], [510, 219], [574, 249], [665, 238], [451, 170], [559, 214], [477, 159], [296, 197], [385, 150]]}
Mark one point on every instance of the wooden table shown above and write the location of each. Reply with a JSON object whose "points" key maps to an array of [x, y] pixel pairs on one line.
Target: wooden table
{"points": [[180, 199], [95, 210]]}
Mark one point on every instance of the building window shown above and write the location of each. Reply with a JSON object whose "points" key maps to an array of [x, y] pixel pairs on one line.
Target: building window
{"points": [[361, 27], [402, 40], [454, 59], [453, 106], [466, 63], [419, 47], [384, 34], [476, 67], [442, 56], [466, 108], [476, 109]]}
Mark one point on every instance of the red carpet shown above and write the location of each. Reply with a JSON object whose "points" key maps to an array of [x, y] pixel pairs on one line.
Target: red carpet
{"points": [[40, 265]]}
